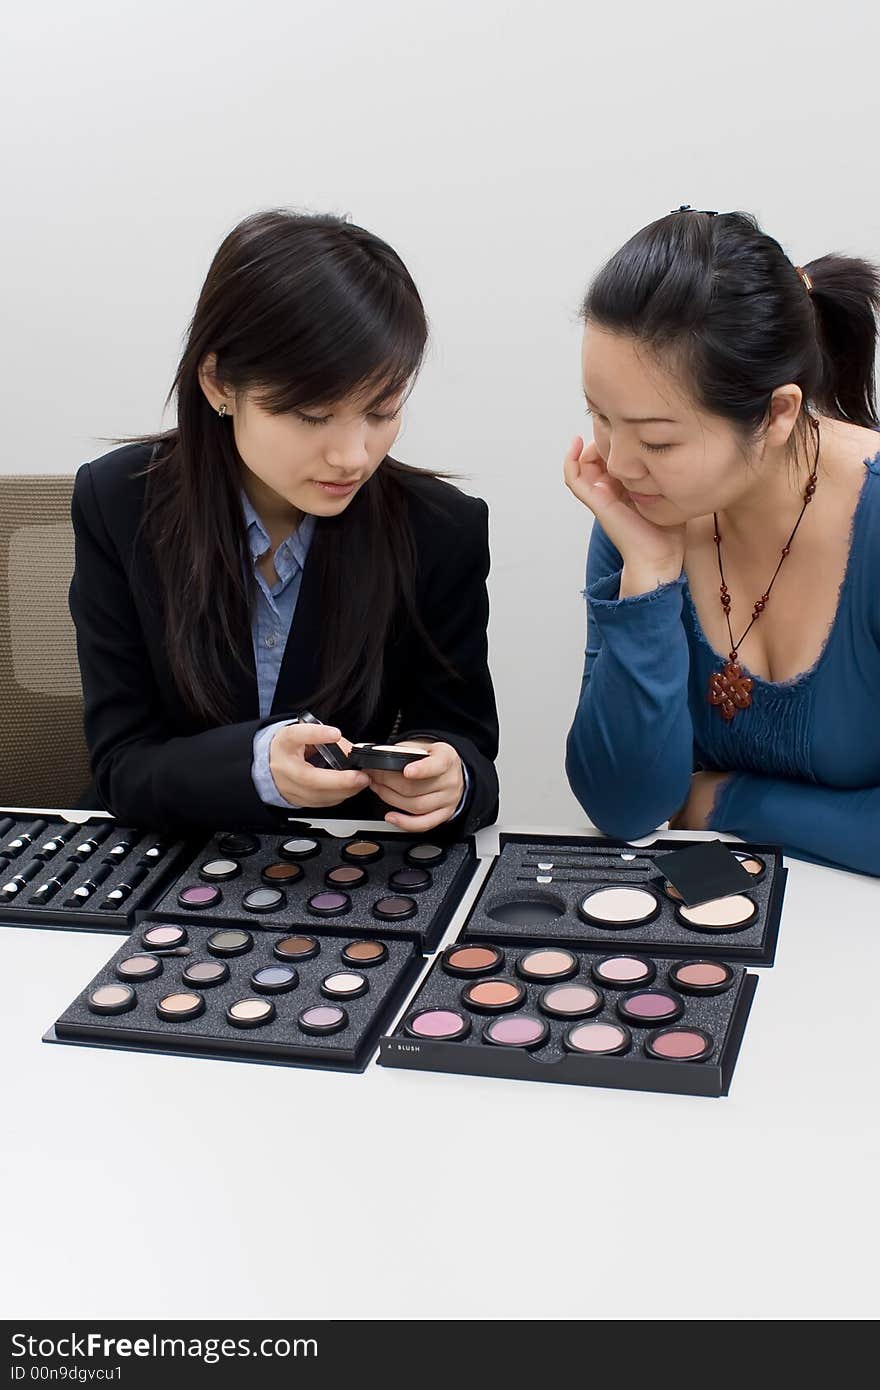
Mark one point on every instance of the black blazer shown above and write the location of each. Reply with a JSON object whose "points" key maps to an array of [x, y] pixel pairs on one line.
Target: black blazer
{"points": [[155, 764]]}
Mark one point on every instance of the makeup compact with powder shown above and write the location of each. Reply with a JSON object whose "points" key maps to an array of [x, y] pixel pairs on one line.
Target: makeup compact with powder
{"points": [[92, 875]]}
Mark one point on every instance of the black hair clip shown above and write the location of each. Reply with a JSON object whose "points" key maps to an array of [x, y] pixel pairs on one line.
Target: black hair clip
{"points": [[686, 207]]}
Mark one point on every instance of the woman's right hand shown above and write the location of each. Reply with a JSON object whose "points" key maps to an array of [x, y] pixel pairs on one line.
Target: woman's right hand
{"points": [[297, 780], [651, 554]]}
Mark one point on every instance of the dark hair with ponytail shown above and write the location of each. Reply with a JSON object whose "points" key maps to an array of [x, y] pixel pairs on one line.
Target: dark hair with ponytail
{"points": [[303, 311], [722, 298]]}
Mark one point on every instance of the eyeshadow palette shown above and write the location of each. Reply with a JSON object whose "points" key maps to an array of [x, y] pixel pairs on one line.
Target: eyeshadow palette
{"points": [[545, 1012], [393, 884], [297, 997], [90, 875], [597, 892]]}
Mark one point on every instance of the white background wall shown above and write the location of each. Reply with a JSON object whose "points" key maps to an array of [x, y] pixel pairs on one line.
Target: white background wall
{"points": [[504, 149]]}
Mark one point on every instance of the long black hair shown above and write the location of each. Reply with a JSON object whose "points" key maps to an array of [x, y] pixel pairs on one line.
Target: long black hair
{"points": [[304, 311], [721, 298]]}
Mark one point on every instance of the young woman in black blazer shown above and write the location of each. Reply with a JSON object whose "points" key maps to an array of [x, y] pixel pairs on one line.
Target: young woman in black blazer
{"points": [[267, 557]]}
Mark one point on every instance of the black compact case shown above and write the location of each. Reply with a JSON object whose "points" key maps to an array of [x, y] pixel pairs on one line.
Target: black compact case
{"points": [[393, 885], [90, 875], [716, 1017], [137, 1024], [554, 889]]}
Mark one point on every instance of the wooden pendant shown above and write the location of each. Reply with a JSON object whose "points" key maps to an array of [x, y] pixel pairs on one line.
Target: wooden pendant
{"points": [[729, 689]]}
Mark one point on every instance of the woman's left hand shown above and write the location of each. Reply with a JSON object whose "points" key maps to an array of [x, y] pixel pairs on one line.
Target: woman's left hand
{"points": [[695, 813], [427, 792]]}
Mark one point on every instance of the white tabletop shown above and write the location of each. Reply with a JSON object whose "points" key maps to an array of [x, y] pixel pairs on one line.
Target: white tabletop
{"points": [[408, 1194]]}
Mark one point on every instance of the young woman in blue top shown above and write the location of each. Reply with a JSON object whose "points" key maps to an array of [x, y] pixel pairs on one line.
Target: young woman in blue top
{"points": [[733, 580]]}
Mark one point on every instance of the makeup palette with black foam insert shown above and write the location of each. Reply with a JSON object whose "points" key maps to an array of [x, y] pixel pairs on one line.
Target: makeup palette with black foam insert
{"points": [[92, 875], [546, 1012], [229, 992], [594, 892], [393, 884]]}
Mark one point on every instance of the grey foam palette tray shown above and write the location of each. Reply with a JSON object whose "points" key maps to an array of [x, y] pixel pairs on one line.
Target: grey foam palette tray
{"points": [[724, 1016], [756, 943], [210, 1035]]}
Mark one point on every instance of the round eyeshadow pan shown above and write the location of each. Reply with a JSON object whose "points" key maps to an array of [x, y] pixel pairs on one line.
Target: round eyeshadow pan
{"points": [[623, 972], [199, 896], [527, 912], [275, 979], [365, 953], [219, 870], [180, 1006], [362, 851], [276, 874], [264, 900], [229, 941], [139, 968], [517, 1030], [329, 904], [344, 984], [472, 960], [684, 1044], [297, 849], [598, 1039], [346, 876], [441, 1025], [112, 999], [296, 948], [650, 1006], [323, 1018], [619, 907], [547, 963], [753, 865], [250, 1013], [701, 976], [203, 974], [237, 844], [425, 856], [163, 938], [415, 880], [493, 996], [395, 909], [720, 914], [571, 1001]]}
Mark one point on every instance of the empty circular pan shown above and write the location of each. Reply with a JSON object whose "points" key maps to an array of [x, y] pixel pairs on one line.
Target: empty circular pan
{"points": [[219, 870], [571, 1001], [112, 999], [275, 979], [229, 941], [237, 844], [598, 1039], [684, 1044], [701, 976], [720, 914], [296, 948], [346, 876], [365, 953], [139, 968], [472, 960], [619, 907], [415, 880], [425, 856], [198, 897], [163, 938], [395, 909], [493, 996], [549, 963], [438, 1025], [278, 875], [517, 1030], [182, 1005], [296, 849], [647, 1007], [250, 1013], [532, 911], [323, 1018], [752, 865], [362, 851], [203, 974], [623, 972], [329, 904], [344, 984], [264, 900]]}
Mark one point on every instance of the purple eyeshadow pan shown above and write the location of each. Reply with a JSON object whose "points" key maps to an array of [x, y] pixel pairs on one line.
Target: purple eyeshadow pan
{"points": [[650, 1006], [517, 1030], [329, 904], [197, 896], [443, 1025], [323, 1018]]}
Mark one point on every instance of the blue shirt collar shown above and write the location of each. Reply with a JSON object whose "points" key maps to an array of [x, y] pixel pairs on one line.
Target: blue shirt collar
{"points": [[296, 545]]}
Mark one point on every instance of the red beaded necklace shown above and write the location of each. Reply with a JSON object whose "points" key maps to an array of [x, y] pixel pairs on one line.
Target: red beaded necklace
{"points": [[729, 690]]}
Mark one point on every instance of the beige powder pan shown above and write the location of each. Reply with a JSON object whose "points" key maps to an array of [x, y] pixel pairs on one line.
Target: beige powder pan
{"points": [[734, 913], [619, 907]]}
